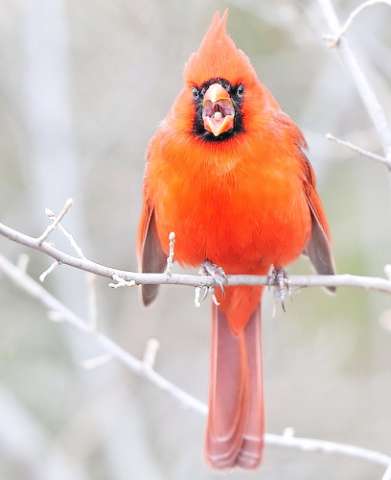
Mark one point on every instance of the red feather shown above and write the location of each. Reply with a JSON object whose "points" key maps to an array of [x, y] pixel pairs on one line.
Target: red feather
{"points": [[245, 203]]}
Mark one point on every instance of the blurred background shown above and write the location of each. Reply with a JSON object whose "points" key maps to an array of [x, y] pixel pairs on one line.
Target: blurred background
{"points": [[82, 87]]}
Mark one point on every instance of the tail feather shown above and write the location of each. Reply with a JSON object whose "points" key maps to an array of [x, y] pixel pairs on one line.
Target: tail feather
{"points": [[235, 422], [225, 421], [251, 450]]}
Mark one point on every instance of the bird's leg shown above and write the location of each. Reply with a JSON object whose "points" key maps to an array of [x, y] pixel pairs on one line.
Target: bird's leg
{"points": [[216, 272], [219, 277], [278, 279]]}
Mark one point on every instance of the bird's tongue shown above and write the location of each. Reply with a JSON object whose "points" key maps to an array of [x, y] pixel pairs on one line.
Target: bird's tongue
{"points": [[217, 123], [217, 118]]}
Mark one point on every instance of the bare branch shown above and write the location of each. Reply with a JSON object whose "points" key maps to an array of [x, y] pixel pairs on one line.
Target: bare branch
{"points": [[26, 283], [64, 231], [144, 368], [334, 40], [314, 445], [132, 278], [48, 271], [92, 309], [387, 474], [361, 151], [52, 226], [366, 92], [23, 262], [150, 353], [171, 253], [95, 362]]}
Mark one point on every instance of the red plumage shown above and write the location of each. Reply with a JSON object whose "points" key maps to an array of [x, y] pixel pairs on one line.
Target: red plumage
{"points": [[245, 200]]}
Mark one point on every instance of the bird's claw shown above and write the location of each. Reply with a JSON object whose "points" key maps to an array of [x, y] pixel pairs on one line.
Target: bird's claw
{"points": [[216, 272], [278, 279], [219, 278], [200, 295]]}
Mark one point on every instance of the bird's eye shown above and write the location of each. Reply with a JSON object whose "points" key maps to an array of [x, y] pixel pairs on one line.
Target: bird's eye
{"points": [[240, 90], [196, 93]]}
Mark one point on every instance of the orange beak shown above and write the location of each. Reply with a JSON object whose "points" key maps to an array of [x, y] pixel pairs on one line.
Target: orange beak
{"points": [[218, 112]]}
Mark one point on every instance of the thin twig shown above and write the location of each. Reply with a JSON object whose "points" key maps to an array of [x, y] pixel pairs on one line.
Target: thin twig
{"points": [[144, 368], [132, 278], [48, 271], [92, 302], [171, 253], [95, 362], [69, 236], [150, 353], [361, 151], [23, 262], [30, 286], [387, 474], [370, 3], [366, 92], [52, 226]]}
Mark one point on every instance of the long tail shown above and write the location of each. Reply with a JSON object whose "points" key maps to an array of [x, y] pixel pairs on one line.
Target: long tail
{"points": [[235, 427]]}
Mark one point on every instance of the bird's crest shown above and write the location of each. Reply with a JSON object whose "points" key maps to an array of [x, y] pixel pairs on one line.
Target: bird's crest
{"points": [[218, 56]]}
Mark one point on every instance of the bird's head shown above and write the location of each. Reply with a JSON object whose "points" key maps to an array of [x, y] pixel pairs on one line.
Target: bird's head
{"points": [[222, 96]]}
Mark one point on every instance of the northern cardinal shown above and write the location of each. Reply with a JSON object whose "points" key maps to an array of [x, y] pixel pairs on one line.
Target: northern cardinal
{"points": [[227, 172]]}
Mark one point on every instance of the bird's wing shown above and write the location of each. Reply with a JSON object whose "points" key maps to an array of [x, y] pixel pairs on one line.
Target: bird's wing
{"points": [[152, 259], [318, 248]]}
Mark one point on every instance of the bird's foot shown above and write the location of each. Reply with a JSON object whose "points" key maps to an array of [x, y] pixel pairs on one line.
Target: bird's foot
{"points": [[278, 280], [219, 277], [216, 272]]}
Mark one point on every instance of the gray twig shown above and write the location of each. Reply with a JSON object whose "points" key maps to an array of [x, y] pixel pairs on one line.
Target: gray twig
{"points": [[361, 151], [132, 278], [144, 368], [56, 220], [334, 40], [366, 92]]}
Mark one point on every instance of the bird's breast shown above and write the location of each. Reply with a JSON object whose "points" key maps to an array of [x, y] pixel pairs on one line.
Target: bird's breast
{"points": [[243, 213]]}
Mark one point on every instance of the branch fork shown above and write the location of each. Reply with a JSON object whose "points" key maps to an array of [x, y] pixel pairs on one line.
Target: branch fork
{"points": [[56, 220]]}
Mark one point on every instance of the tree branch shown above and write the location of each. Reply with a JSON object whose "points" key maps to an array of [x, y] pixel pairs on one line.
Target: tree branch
{"points": [[133, 278], [361, 151], [55, 221], [144, 368], [387, 474], [366, 92], [345, 27]]}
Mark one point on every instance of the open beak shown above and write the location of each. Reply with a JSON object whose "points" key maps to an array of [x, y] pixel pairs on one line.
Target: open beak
{"points": [[218, 112]]}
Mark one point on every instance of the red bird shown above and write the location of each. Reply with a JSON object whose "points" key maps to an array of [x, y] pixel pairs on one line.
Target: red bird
{"points": [[226, 171]]}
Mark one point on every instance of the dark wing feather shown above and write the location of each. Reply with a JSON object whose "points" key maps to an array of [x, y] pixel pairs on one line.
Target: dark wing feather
{"points": [[152, 259], [318, 248]]}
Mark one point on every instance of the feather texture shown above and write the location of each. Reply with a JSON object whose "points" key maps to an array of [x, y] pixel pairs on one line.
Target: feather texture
{"points": [[244, 203], [235, 422], [151, 256]]}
